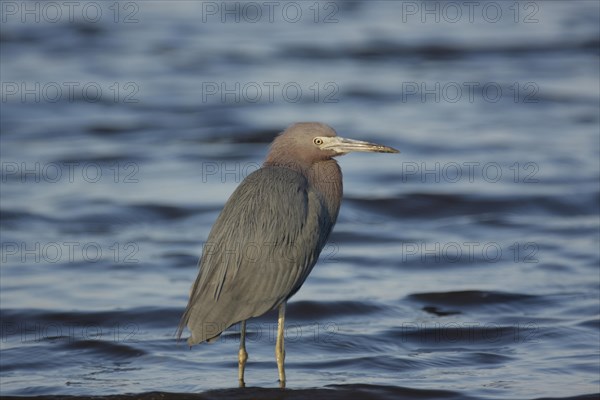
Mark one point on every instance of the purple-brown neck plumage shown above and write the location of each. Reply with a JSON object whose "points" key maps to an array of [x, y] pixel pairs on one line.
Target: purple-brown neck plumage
{"points": [[326, 178]]}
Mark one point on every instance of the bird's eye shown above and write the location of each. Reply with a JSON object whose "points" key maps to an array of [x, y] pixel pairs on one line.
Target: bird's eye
{"points": [[318, 141]]}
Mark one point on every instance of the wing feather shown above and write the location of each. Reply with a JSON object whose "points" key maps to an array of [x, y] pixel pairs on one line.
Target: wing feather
{"points": [[260, 250]]}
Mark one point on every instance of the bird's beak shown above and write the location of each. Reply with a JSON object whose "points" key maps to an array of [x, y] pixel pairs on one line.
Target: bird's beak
{"points": [[342, 146]]}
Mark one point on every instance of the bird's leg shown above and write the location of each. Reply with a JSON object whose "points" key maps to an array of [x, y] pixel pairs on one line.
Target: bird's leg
{"points": [[242, 354], [279, 347]]}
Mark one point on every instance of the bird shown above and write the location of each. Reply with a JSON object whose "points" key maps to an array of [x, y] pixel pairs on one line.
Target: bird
{"points": [[268, 236]]}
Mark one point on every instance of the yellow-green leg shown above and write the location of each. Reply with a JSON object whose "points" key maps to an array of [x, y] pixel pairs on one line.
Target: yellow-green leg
{"points": [[279, 346], [242, 354]]}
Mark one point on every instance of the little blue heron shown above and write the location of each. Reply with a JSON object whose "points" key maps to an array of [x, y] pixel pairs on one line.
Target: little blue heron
{"points": [[269, 235]]}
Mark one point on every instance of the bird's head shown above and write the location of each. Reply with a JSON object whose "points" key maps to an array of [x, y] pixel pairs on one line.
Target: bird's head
{"points": [[306, 143]]}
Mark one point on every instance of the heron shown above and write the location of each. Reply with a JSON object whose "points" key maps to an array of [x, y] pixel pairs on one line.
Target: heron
{"points": [[269, 235]]}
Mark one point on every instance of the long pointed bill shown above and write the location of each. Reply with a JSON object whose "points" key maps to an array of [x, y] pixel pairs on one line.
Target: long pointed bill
{"points": [[342, 146]]}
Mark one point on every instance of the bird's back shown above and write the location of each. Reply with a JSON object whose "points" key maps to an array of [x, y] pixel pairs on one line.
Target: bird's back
{"points": [[260, 250]]}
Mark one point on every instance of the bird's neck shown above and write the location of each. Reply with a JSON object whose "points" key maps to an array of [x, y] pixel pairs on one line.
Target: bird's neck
{"points": [[326, 178]]}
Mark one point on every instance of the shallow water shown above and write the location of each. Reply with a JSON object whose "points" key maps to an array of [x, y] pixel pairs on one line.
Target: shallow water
{"points": [[465, 267]]}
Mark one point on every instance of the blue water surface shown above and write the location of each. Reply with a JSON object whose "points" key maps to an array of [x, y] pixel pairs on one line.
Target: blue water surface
{"points": [[465, 267]]}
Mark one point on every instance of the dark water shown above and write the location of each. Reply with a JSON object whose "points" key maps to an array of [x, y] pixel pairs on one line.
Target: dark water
{"points": [[467, 267]]}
